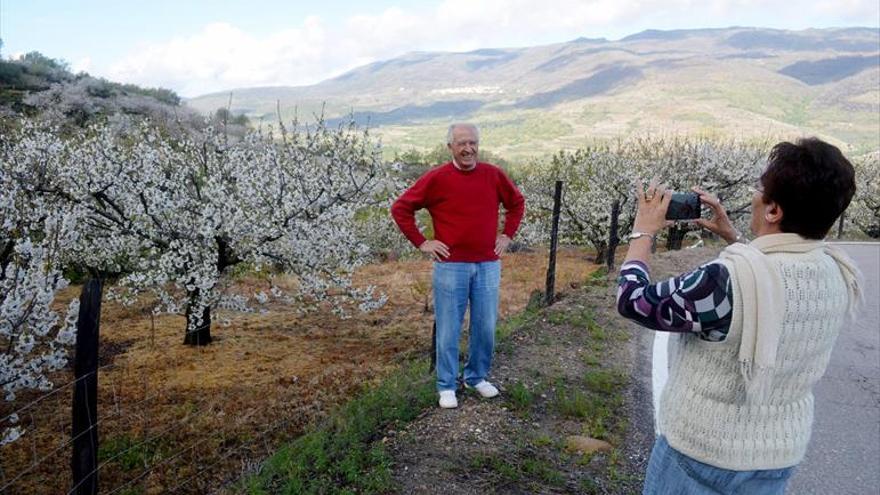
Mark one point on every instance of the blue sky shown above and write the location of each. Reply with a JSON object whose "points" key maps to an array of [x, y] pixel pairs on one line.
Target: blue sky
{"points": [[199, 46]]}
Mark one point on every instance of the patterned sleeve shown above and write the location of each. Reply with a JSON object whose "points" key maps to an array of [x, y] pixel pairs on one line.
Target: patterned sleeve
{"points": [[699, 301]]}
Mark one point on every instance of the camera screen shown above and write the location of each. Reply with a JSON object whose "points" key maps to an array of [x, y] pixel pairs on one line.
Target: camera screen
{"points": [[684, 206]]}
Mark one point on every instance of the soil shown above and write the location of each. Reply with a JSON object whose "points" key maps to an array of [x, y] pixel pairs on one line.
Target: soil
{"points": [[177, 419], [497, 446], [500, 446]]}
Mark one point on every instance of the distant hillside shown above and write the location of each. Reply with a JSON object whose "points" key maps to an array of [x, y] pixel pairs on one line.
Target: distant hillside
{"points": [[35, 84], [742, 82]]}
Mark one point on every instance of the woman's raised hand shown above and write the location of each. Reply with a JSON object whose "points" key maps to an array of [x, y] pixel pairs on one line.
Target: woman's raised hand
{"points": [[653, 203], [719, 223]]}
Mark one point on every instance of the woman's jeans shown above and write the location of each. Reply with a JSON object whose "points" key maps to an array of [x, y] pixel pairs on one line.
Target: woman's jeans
{"points": [[671, 472], [456, 285]]}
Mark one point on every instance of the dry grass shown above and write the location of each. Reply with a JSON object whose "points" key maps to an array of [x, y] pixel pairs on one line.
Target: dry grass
{"points": [[189, 419]]}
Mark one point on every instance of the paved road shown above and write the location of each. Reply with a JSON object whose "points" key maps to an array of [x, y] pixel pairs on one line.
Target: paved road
{"points": [[844, 453]]}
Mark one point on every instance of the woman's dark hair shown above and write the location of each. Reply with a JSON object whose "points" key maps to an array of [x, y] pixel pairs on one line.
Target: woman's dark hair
{"points": [[813, 183]]}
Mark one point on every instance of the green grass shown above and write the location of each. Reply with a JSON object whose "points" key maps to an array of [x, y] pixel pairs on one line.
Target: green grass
{"points": [[592, 114], [542, 470], [512, 323], [519, 397], [576, 317], [341, 455], [594, 400], [497, 464], [616, 473], [604, 381], [579, 317], [510, 129], [517, 468], [598, 277], [596, 411], [542, 440], [703, 118], [130, 453], [797, 112], [573, 403], [591, 359], [596, 331], [589, 487]]}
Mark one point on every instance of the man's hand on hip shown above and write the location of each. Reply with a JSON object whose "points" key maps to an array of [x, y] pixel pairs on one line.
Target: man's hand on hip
{"points": [[436, 249], [501, 243]]}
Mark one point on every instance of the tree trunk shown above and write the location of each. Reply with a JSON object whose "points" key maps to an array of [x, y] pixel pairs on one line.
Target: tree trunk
{"points": [[674, 238], [197, 333], [200, 333], [601, 252]]}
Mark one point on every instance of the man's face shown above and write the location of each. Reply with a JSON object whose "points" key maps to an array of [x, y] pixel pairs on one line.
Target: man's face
{"points": [[464, 147]]}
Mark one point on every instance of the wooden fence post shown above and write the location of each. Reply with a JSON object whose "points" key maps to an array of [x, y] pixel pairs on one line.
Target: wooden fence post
{"points": [[84, 460], [613, 239], [549, 293]]}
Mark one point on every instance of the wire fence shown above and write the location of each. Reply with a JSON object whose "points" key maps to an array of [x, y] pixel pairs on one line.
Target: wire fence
{"points": [[153, 434], [149, 436], [152, 455]]}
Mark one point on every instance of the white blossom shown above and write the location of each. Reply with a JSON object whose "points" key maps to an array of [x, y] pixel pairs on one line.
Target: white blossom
{"points": [[172, 215], [33, 234], [864, 211], [595, 177]]}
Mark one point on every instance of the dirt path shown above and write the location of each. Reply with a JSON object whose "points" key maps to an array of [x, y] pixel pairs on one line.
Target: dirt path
{"points": [[563, 371], [576, 368]]}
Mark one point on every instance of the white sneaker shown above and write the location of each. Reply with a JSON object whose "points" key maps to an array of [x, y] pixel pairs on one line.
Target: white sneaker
{"points": [[485, 389], [448, 400]]}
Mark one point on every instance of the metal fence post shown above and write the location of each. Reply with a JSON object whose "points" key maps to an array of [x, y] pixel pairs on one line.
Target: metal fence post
{"points": [[549, 293], [84, 460], [613, 239]]}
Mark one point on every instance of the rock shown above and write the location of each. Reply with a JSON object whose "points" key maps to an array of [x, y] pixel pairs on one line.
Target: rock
{"points": [[586, 445]]}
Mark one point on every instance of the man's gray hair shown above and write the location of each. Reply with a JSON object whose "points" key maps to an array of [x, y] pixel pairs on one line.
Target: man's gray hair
{"points": [[461, 124]]}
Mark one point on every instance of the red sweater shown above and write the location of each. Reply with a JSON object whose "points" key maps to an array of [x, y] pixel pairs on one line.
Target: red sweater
{"points": [[464, 209]]}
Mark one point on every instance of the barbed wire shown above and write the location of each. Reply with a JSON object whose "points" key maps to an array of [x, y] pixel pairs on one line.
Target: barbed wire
{"points": [[277, 426], [117, 411], [55, 391], [106, 418], [420, 381], [160, 463], [121, 409], [54, 452], [102, 419], [151, 439]]}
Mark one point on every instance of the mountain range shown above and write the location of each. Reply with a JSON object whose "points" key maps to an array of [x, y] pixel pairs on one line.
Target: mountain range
{"points": [[739, 82]]}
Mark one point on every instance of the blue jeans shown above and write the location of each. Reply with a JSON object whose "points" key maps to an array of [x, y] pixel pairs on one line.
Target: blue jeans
{"points": [[670, 471], [455, 286]]}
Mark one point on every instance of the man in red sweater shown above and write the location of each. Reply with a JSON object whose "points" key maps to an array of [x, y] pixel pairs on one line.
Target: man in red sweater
{"points": [[462, 197]]}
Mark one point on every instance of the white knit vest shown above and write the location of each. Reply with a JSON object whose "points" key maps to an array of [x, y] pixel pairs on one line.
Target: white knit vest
{"points": [[703, 411]]}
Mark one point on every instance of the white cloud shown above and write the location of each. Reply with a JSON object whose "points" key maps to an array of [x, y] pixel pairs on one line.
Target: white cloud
{"points": [[81, 65], [222, 56]]}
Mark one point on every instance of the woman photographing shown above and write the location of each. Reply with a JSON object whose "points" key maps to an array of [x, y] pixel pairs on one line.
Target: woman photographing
{"points": [[752, 330]]}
